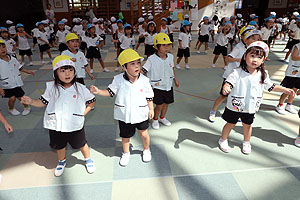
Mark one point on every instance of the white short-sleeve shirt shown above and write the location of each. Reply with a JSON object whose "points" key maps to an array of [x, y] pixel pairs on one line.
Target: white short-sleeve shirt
{"points": [[23, 42], [293, 69], [42, 35], [93, 42], [10, 76], [126, 42], [80, 64], [9, 45], [204, 29], [222, 39], [149, 38], [265, 32], [185, 39], [61, 36]]}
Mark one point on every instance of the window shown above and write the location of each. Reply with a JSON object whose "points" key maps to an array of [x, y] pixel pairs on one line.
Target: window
{"points": [[238, 4]]}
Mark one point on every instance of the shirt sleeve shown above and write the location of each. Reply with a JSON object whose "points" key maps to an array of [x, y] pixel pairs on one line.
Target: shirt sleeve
{"points": [[149, 91], [180, 37], [45, 98], [234, 53], [268, 85], [232, 78], [113, 87], [147, 66], [121, 39], [88, 96]]}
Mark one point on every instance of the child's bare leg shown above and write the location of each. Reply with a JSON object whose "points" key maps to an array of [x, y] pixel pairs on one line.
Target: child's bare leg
{"points": [[179, 59], [186, 60], [145, 138], [85, 151], [164, 110], [126, 144], [92, 63], [206, 46], [157, 111], [101, 63], [22, 58], [218, 102], [226, 130], [25, 105], [282, 98], [225, 63], [49, 53], [215, 59], [291, 97], [288, 54], [61, 154], [247, 129], [41, 55], [30, 58], [199, 46], [11, 102]]}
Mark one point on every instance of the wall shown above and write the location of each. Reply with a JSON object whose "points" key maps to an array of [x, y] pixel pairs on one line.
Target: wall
{"points": [[123, 4], [63, 5], [273, 5]]}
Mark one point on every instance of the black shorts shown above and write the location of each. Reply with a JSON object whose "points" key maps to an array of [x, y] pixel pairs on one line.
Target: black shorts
{"points": [[171, 37], [119, 44], [141, 40], [121, 50], [163, 96], [291, 43], [26, 52], [128, 130], [52, 38], [62, 47], [203, 38], [59, 140], [220, 50], [17, 92], [232, 40], [183, 52], [149, 50], [291, 82], [232, 117], [34, 40], [93, 52], [80, 80], [83, 46], [114, 36], [44, 47], [103, 36], [221, 91]]}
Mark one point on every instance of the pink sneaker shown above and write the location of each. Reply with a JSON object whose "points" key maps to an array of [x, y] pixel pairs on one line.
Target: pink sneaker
{"points": [[246, 147], [223, 144]]}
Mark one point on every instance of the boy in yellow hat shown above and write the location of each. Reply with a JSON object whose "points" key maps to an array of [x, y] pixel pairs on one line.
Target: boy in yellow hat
{"points": [[160, 70], [81, 64], [67, 103], [133, 105]]}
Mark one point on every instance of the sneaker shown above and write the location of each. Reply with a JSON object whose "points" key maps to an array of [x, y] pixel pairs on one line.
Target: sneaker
{"points": [[281, 110], [223, 144], [187, 66], [212, 116], [198, 52], [147, 155], [124, 159], [206, 51], [43, 62], [297, 141], [59, 170], [291, 109], [286, 61], [117, 69], [31, 64], [116, 58], [246, 147], [26, 111], [106, 70], [14, 112], [177, 66], [90, 166], [213, 66], [92, 71], [155, 124], [164, 121]]}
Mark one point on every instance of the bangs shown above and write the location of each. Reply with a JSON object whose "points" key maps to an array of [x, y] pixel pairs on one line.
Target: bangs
{"points": [[258, 51], [67, 67]]}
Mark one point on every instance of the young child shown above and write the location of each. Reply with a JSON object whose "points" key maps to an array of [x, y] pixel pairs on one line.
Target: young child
{"points": [[171, 28], [141, 29], [81, 64], [245, 87], [49, 29], [11, 81], [10, 44], [102, 32], [163, 27], [160, 70], [294, 33], [133, 104], [82, 34], [291, 80], [184, 40], [43, 42], [67, 103], [248, 35], [60, 37], [93, 44], [119, 32], [149, 36], [114, 27], [266, 30], [234, 30], [24, 48], [222, 43], [34, 34], [203, 34]]}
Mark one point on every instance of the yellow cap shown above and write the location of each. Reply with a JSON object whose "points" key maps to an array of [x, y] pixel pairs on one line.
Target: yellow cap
{"points": [[2, 42], [71, 36], [62, 60], [128, 55], [161, 38]]}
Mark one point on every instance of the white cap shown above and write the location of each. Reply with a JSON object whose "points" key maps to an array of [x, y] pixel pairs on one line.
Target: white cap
{"points": [[9, 22], [101, 19], [252, 15], [45, 22], [295, 14], [112, 19], [64, 20], [186, 16], [74, 20], [239, 15], [273, 13], [95, 20], [253, 32], [150, 17], [37, 24], [140, 20]]}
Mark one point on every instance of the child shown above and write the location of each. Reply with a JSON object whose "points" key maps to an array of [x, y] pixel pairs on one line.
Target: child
{"points": [[24, 48], [11, 81], [171, 28], [291, 80], [160, 70], [67, 103], [234, 30], [266, 30], [126, 41], [10, 44], [184, 39], [294, 33], [245, 87], [141, 28], [34, 34], [114, 28], [49, 29], [119, 32], [133, 104], [164, 28], [93, 44], [203, 34], [82, 34], [102, 32], [222, 43], [149, 35], [81, 64], [248, 35], [43, 42], [60, 37]]}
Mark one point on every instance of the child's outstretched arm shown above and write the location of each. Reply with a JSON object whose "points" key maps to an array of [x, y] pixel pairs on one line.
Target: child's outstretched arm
{"points": [[278, 88], [27, 71], [89, 107], [97, 91], [36, 103], [7, 126]]}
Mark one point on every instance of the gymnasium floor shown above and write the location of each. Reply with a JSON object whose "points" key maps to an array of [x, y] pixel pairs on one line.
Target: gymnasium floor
{"points": [[187, 163]]}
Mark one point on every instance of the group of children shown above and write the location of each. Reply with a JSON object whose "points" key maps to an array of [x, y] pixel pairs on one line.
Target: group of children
{"points": [[67, 100]]}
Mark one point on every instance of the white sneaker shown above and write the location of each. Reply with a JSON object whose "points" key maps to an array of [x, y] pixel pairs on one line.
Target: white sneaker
{"points": [[14, 112], [291, 109], [90, 166], [26, 111], [286, 61], [281, 110], [117, 69], [106, 70], [92, 71], [198, 52], [223, 144], [147, 155], [206, 51], [213, 66], [225, 67], [297, 141], [155, 124], [31, 64], [164, 121], [59, 170], [124, 159], [187, 66], [212, 116], [246, 147], [177, 66], [43, 62]]}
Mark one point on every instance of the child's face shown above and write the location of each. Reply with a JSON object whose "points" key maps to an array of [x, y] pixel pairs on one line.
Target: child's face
{"points": [[254, 61], [151, 28], [163, 22], [66, 75], [61, 26], [187, 28], [92, 30], [127, 31], [134, 68], [41, 27], [252, 38], [227, 27], [163, 49], [3, 50], [73, 45], [205, 21], [120, 25], [4, 34], [20, 29]]}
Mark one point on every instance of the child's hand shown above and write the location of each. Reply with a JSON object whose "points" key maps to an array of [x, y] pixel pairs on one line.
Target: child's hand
{"points": [[288, 91], [2, 92], [226, 89], [32, 73], [94, 89], [176, 83], [151, 114], [92, 77], [73, 59], [298, 92], [26, 100], [8, 128]]}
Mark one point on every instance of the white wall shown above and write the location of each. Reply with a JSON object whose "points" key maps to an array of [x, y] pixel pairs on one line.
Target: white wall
{"points": [[64, 5]]}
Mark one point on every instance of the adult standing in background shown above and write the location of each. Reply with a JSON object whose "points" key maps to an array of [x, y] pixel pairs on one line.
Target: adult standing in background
{"points": [[90, 13], [50, 14], [187, 8]]}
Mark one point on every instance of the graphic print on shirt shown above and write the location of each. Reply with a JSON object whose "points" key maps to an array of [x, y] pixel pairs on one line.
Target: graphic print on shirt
{"points": [[295, 69], [237, 103], [258, 102]]}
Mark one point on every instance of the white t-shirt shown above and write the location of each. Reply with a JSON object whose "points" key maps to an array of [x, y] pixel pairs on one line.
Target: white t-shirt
{"points": [[114, 27], [296, 31], [61, 36], [222, 39], [293, 69], [23, 42], [42, 35], [99, 29], [141, 30], [80, 64], [265, 32], [279, 26], [35, 32], [185, 39], [10, 76], [93, 42], [164, 30], [171, 28], [204, 29], [149, 38], [126, 42], [77, 28], [9, 45]]}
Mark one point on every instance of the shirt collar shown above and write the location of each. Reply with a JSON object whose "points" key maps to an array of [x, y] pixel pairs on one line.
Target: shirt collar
{"points": [[125, 76], [159, 56]]}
